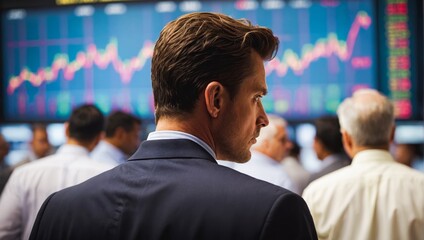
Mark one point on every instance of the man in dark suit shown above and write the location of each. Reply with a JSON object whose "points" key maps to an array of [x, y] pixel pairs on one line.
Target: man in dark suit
{"points": [[328, 146], [208, 78]]}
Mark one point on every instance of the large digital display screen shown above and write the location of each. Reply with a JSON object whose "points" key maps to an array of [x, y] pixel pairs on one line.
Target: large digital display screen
{"points": [[57, 58], [401, 80]]}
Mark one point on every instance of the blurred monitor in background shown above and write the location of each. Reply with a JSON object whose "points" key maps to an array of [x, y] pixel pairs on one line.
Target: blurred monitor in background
{"points": [[56, 132], [18, 136], [409, 144], [305, 134], [409, 133]]}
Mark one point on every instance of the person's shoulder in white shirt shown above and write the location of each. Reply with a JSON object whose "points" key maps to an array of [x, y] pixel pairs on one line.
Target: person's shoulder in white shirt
{"points": [[30, 184], [374, 197]]}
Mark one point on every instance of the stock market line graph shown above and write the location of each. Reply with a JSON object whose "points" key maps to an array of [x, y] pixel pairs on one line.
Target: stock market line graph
{"points": [[323, 48], [93, 57], [57, 59]]}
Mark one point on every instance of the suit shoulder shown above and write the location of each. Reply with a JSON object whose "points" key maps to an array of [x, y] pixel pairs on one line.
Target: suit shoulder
{"points": [[232, 179], [291, 211]]}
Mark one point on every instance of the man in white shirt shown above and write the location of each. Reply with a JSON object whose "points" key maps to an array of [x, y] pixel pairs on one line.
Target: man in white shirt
{"points": [[39, 144], [122, 138], [375, 197], [39, 148], [30, 184], [270, 149]]}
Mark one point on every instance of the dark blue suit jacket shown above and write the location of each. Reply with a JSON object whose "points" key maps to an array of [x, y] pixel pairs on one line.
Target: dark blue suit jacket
{"points": [[173, 189]]}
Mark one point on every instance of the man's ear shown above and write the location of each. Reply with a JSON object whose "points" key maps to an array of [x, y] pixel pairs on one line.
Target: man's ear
{"points": [[392, 133], [347, 143], [214, 98]]}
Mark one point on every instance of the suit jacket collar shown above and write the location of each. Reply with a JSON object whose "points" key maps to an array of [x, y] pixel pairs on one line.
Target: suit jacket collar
{"points": [[169, 149]]}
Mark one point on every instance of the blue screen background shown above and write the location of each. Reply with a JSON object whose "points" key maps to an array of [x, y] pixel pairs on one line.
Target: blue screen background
{"points": [[326, 52]]}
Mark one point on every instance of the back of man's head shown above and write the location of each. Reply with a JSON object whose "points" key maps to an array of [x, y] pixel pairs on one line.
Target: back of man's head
{"points": [[368, 117], [120, 119], [85, 123], [328, 133], [199, 48]]}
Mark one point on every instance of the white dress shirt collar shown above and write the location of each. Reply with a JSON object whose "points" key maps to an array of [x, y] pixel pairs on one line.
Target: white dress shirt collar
{"points": [[168, 134], [73, 149], [372, 155]]}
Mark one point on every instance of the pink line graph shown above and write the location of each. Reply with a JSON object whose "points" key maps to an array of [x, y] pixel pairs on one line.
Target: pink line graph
{"points": [[323, 48], [93, 56], [102, 58]]}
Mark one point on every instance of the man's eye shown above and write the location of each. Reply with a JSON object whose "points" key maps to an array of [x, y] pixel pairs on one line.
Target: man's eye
{"points": [[258, 98]]}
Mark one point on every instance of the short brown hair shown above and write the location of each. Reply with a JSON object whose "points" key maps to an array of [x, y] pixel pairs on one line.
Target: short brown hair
{"points": [[199, 48]]}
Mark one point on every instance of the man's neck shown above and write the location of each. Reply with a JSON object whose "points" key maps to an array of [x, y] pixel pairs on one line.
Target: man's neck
{"points": [[189, 125], [358, 149], [72, 141]]}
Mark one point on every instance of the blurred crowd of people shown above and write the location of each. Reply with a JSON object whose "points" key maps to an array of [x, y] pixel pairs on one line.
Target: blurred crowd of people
{"points": [[94, 144], [275, 159]]}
